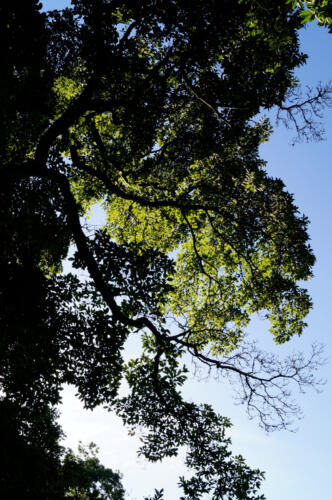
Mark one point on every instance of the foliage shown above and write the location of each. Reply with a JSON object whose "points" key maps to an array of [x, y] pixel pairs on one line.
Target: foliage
{"points": [[152, 109], [320, 10], [88, 478]]}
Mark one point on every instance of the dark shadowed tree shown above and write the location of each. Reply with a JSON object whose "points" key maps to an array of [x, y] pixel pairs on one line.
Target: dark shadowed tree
{"points": [[154, 110]]}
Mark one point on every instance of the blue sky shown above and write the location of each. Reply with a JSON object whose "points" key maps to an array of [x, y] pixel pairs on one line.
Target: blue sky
{"points": [[297, 464]]}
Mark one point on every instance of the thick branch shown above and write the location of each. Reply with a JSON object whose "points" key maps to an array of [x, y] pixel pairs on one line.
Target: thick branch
{"points": [[61, 125], [141, 200], [32, 169]]}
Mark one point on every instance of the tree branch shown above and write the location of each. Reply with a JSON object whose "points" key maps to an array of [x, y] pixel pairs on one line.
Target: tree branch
{"points": [[264, 380], [302, 112], [32, 169]]}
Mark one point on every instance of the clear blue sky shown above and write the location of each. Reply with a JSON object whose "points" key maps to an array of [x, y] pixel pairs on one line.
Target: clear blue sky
{"points": [[297, 465]]}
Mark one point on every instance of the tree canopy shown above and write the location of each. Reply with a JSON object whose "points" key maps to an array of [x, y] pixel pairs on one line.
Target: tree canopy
{"points": [[156, 111]]}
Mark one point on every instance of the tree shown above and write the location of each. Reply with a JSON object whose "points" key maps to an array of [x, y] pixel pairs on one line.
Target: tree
{"points": [[88, 478], [154, 110]]}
